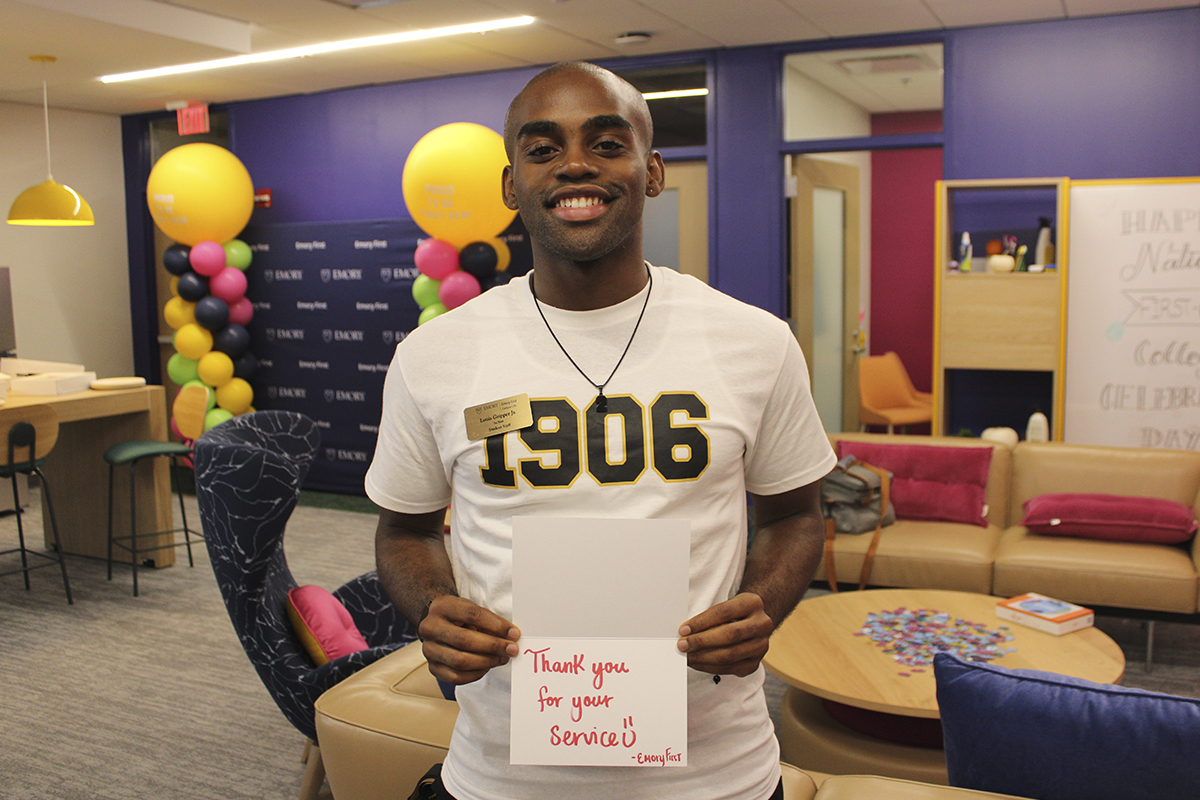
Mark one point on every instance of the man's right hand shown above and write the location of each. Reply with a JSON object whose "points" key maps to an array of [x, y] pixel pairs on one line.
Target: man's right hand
{"points": [[462, 641]]}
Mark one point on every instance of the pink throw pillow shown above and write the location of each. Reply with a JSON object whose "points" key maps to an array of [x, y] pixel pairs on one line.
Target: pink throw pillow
{"points": [[1111, 517], [323, 625], [931, 482]]}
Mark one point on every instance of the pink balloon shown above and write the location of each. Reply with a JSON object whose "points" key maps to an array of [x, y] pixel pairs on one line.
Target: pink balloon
{"points": [[241, 312], [457, 288], [207, 258], [229, 285], [436, 258]]}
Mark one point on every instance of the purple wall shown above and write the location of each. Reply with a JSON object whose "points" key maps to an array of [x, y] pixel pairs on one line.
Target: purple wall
{"points": [[1103, 97]]}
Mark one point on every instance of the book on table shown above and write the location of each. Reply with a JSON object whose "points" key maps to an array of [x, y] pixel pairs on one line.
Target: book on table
{"points": [[1045, 613]]}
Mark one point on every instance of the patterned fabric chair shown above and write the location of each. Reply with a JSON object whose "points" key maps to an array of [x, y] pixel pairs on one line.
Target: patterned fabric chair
{"points": [[248, 476]]}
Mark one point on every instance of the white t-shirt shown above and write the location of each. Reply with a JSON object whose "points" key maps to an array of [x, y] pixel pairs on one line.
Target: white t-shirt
{"points": [[711, 401]]}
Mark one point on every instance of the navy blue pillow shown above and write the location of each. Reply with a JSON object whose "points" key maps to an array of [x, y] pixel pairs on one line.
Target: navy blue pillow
{"points": [[1051, 737]]}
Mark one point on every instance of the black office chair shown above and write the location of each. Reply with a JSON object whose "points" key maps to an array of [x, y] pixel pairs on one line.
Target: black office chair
{"points": [[32, 434]]}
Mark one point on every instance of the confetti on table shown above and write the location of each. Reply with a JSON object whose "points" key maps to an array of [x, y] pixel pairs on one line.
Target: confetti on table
{"points": [[912, 637]]}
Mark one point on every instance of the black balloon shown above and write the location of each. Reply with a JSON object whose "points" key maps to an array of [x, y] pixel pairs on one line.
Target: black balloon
{"points": [[192, 287], [478, 259], [175, 259], [232, 340], [244, 366], [212, 313]]}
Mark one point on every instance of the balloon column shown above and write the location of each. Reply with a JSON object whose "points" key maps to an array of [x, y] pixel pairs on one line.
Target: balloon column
{"points": [[451, 186], [201, 196]]}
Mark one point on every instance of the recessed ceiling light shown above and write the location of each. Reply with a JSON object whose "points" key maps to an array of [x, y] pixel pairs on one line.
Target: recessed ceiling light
{"points": [[318, 49], [633, 37]]}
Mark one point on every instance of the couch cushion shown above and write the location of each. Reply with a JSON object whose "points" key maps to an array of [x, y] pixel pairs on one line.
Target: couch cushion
{"points": [[945, 484], [1055, 467], [918, 554], [875, 787], [1109, 516], [1038, 734], [1155, 577]]}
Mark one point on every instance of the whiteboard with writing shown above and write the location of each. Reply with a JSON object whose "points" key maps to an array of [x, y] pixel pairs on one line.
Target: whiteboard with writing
{"points": [[1133, 314]]}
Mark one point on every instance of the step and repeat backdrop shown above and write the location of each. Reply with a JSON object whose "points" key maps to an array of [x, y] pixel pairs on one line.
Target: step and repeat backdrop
{"points": [[331, 302]]}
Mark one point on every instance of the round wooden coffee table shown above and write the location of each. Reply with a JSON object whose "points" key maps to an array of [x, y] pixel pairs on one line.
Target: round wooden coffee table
{"points": [[820, 651]]}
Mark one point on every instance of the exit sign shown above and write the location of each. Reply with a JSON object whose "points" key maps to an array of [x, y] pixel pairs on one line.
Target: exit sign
{"points": [[192, 120]]}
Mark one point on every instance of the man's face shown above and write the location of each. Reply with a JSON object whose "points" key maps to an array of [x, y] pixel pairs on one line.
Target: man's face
{"points": [[581, 165]]}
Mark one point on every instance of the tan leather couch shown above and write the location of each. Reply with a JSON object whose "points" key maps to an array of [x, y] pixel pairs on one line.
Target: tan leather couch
{"points": [[1004, 559], [384, 726]]}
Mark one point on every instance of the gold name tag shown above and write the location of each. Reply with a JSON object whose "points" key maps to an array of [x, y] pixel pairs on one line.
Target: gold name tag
{"points": [[499, 416]]}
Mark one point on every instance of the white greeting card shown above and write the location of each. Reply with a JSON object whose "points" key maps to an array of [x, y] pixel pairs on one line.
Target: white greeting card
{"points": [[599, 680]]}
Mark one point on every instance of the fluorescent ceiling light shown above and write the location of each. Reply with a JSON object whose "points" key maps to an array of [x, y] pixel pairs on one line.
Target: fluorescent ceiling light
{"points": [[317, 49], [675, 93]]}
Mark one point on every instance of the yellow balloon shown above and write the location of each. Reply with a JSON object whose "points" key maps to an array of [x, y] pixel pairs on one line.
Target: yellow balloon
{"points": [[215, 369], [503, 254], [200, 192], [452, 182], [179, 312], [192, 341], [235, 396]]}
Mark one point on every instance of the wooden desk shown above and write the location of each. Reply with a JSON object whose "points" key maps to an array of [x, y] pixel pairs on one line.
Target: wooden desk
{"points": [[89, 423], [816, 650]]}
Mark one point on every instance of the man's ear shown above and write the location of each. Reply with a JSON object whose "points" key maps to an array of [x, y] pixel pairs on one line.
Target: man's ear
{"points": [[655, 174], [506, 188]]}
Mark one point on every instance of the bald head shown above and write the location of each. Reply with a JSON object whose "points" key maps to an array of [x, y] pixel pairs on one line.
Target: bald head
{"points": [[580, 72]]}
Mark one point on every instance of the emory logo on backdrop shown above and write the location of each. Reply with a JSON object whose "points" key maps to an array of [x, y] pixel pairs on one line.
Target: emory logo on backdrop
{"points": [[270, 275], [285, 334], [337, 454], [310, 245], [374, 244], [287, 392], [342, 336], [394, 336], [328, 275], [377, 306], [372, 367], [345, 396], [398, 273], [312, 305], [261, 247]]}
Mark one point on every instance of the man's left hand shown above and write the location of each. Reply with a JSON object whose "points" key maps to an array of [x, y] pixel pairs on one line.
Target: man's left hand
{"points": [[730, 638]]}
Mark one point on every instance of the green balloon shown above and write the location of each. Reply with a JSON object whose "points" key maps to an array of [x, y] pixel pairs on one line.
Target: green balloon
{"points": [[425, 291], [435, 310], [212, 396], [237, 254], [215, 417], [181, 369]]}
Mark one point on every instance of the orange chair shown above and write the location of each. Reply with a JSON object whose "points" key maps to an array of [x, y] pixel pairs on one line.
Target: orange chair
{"points": [[887, 396]]}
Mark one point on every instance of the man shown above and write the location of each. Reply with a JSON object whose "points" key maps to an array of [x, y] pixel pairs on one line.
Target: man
{"points": [[712, 400]]}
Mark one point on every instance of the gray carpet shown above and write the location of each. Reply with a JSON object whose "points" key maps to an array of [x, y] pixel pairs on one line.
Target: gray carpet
{"points": [[116, 698]]}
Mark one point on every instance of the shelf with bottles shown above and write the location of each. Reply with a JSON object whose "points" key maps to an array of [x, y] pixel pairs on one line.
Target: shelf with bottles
{"points": [[1000, 320]]}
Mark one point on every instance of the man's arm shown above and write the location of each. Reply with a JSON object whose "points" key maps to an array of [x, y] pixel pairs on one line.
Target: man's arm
{"points": [[731, 638], [461, 640]]}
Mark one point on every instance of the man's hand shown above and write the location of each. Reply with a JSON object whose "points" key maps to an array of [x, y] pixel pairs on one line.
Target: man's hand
{"points": [[462, 641], [730, 638]]}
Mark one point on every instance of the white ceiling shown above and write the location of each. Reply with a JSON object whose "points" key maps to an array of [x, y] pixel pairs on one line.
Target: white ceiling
{"points": [[91, 38]]}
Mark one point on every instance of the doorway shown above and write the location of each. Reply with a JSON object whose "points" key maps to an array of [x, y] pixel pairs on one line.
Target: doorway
{"points": [[675, 224], [826, 314]]}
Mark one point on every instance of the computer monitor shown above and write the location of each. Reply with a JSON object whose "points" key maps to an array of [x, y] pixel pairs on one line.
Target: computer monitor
{"points": [[8, 331]]}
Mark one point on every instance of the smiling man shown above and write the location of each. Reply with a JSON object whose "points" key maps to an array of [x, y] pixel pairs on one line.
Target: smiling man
{"points": [[709, 396]]}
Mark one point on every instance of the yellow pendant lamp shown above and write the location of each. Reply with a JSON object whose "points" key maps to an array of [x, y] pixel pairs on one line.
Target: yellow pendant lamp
{"points": [[49, 203]]}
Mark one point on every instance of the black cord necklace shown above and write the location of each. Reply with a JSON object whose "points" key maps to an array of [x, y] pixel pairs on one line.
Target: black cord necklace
{"points": [[601, 405]]}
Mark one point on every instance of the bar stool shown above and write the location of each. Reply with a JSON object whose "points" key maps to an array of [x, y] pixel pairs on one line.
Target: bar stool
{"points": [[188, 411], [35, 431]]}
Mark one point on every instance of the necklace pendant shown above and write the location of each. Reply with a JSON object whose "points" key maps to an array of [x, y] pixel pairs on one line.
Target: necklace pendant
{"points": [[601, 405]]}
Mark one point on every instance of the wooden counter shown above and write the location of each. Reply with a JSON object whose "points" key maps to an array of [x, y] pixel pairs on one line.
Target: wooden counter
{"points": [[89, 423]]}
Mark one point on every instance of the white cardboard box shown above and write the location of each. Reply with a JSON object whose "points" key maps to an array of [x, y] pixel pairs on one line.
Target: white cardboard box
{"points": [[30, 366], [52, 383]]}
